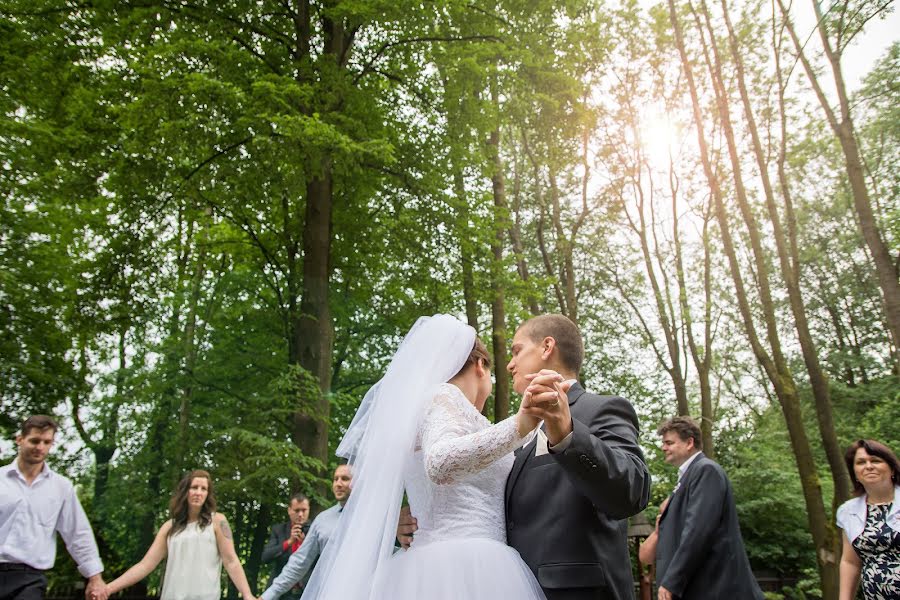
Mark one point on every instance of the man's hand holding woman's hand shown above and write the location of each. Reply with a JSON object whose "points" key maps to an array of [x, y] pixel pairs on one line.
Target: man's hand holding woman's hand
{"points": [[545, 400], [96, 589]]}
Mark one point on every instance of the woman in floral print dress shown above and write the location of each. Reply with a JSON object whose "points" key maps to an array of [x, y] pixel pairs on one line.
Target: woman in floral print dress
{"points": [[871, 524]]}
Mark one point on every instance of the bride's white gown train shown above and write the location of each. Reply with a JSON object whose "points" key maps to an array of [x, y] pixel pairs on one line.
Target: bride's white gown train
{"points": [[455, 483]]}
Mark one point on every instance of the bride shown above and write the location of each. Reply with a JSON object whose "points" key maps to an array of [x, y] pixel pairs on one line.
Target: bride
{"points": [[420, 429]]}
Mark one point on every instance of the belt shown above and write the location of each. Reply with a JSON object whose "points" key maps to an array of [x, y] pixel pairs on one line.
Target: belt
{"points": [[7, 566]]}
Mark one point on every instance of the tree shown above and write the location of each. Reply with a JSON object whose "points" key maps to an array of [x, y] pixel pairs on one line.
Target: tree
{"points": [[838, 28]]}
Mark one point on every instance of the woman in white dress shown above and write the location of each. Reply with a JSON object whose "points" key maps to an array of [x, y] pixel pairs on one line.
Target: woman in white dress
{"points": [[420, 429], [197, 541]]}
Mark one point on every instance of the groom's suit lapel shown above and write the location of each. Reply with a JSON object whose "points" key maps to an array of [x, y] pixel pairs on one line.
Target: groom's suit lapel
{"points": [[527, 451], [522, 455]]}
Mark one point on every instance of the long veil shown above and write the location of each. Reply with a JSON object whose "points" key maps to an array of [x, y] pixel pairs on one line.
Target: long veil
{"points": [[380, 441]]}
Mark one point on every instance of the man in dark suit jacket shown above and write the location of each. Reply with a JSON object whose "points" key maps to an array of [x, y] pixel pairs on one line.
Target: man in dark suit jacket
{"points": [[700, 553], [571, 490], [286, 538]]}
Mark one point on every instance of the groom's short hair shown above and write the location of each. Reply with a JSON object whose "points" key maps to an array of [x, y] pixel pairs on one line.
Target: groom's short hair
{"points": [[569, 344]]}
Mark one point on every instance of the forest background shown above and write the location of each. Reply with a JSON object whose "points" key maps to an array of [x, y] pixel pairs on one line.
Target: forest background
{"points": [[219, 217]]}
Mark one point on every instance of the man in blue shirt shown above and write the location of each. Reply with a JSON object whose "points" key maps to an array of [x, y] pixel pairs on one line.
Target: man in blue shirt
{"points": [[301, 562]]}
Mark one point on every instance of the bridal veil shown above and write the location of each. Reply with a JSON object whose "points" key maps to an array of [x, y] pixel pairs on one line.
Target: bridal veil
{"points": [[378, 444]]}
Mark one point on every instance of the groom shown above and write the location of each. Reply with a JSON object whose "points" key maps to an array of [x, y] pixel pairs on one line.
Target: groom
{"points": [[571, 488]]}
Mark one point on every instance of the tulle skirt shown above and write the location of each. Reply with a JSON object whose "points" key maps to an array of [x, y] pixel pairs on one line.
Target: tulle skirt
{"points": [[461, 569]]}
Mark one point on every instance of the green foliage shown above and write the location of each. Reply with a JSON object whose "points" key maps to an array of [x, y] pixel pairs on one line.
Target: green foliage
{"points": [[869, 411], [768, 495], [155, 163]]}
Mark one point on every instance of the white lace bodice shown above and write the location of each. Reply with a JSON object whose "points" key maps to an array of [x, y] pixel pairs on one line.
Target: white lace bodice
{"points": [[456, 479]]}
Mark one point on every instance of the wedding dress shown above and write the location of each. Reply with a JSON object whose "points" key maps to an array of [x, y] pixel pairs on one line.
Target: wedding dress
{"points": [[414, 433], [455, 483]]}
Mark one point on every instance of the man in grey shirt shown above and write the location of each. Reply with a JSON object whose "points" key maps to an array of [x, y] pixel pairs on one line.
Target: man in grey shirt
{"points": [[301, 561]]}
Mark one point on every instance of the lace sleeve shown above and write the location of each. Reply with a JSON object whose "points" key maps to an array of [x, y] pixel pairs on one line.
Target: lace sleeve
{"points": [[451, 449]]}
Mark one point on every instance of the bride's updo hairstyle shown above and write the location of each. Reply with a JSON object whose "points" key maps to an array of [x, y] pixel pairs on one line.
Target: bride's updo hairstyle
{"points": [[479, 353]]}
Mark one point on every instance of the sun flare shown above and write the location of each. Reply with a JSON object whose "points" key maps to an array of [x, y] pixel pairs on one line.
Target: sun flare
{"points": [[659, 139]]}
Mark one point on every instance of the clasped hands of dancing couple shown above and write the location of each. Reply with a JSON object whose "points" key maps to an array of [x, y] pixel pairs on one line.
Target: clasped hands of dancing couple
{"points": [[542, 401]]}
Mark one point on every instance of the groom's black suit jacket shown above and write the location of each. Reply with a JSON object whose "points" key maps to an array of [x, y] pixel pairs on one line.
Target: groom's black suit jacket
{"points": [[566, 513], [700, 553]]}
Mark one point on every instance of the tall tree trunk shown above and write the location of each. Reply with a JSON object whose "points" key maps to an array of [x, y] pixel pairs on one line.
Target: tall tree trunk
{"points": [[564, 250], [498, 279], [465, 249], [843, 128], [660, 295], [313, 335], [190, 343], [314, 332], [701, 356], [260, 533], [540, 229], [789, 259], [782, 382], [105, 447], [515, 238]]}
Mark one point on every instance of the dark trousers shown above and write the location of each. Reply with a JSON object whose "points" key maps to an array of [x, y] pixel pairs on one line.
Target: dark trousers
{"points": [[21, 582], [576, 593]]}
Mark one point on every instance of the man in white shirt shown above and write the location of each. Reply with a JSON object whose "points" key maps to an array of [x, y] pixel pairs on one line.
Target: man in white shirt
{"points": [[35, 503]]}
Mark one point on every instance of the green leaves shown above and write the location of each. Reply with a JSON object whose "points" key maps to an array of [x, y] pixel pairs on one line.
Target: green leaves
{"points": [[156, 162]]}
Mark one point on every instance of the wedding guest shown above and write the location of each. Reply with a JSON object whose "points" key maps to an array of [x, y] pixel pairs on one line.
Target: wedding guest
{"points": [[196, 541], [300, 562], [700, 553], [35, 503], [286, 538], [871, 523]]}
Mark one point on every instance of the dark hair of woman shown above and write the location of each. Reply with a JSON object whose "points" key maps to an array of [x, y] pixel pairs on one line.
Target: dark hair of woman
{"points": [[479, 353], [178, 505], [873, 448]]}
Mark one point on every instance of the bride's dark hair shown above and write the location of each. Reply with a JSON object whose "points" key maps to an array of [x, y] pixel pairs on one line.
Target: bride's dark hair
{"points": [[479, 353], [178, 505]]}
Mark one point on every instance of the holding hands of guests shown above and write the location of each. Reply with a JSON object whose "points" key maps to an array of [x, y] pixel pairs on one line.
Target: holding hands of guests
{"points": [[96, 588], [545, 400]]}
